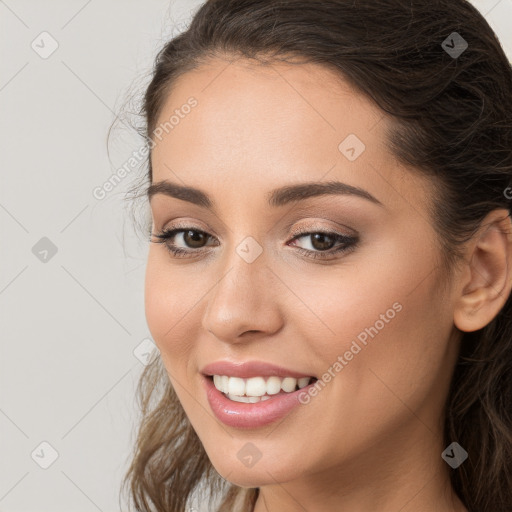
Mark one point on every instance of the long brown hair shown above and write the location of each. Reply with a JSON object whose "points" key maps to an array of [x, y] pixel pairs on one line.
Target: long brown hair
{"points": [[452, 120]]}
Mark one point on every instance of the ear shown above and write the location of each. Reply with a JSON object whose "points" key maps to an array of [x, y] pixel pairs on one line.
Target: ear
{"points": [[486, 278]]}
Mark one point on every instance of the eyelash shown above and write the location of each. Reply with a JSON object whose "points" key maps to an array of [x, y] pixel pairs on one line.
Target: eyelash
{"points": [[349, 243]]}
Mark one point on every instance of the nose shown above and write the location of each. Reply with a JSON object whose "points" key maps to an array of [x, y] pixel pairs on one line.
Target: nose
{"points": [[243, 303]]}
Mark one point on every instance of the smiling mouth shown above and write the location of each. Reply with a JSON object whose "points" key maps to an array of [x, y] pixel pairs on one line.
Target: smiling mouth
{"points": [[257, 389]]}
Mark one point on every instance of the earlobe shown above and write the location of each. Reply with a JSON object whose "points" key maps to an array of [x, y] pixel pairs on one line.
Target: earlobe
{"points": [[487, 275]]}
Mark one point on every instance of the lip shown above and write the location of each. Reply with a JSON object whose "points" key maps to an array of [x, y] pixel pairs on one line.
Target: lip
{"points": [[248, 369], [250, 415]]}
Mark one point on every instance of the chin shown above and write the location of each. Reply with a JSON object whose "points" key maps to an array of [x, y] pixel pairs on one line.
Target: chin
{"points": [[260, 474]]}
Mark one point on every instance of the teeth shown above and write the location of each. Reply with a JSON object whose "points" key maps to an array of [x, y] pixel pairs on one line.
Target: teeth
{"points": [[289, 384], [273, 385], [217, 381], [256, 388], [302, 383], [236, 386], [248, 399], [225, 384]]}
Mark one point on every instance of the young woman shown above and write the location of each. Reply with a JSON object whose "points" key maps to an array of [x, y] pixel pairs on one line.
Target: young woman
{"points": [[330, 274]]}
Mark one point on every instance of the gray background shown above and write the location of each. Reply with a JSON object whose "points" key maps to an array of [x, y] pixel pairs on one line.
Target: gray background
{"points": [[74, 336]]}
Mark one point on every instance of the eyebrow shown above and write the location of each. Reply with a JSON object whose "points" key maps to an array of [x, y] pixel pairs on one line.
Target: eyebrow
{"points": [[278, 197]]}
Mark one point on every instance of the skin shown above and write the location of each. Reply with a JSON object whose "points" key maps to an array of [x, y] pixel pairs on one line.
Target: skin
{"points": [[372, 437]]}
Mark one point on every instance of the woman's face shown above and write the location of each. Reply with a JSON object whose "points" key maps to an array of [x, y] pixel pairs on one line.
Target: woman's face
{"points": [[260, 283]]}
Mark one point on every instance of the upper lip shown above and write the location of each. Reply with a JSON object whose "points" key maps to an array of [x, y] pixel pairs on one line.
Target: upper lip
{"points": [[248, 369]]}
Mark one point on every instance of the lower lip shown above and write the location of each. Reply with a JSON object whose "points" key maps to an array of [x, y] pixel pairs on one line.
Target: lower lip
{"points": [[247, 415]]}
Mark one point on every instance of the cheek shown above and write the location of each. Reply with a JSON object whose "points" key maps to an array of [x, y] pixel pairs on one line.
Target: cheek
{"points": [[357, 302], [169, 308], [169, 299], [381, 314], [390, 365]]}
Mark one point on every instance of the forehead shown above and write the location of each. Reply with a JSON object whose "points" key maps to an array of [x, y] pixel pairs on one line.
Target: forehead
{"points": [[258, 126], [280, 104]]}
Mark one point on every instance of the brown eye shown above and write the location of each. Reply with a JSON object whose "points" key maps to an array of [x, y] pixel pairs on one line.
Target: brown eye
{"points": [[322, 241], [194, 239], [188, 242], [183, 242], [323, 244]]}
